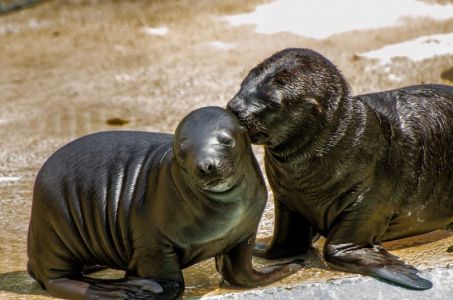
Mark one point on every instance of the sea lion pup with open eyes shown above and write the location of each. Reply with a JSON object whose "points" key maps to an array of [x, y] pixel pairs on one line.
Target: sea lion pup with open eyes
{"points": [[359, 170], [150, 204]]}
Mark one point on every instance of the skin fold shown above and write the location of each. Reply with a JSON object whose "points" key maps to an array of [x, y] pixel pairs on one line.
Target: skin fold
{"points": [[150, 204], [358, 170]]}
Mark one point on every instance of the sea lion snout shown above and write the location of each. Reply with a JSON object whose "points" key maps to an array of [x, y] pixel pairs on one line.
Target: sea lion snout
{"points": [[251, 115], [214, 167], [236, 105], [207, 166], [246, 109]]}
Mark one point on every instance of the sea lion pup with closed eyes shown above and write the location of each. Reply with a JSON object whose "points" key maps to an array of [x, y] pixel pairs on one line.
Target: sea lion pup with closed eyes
{"points": [[359, 170], [150, 204]]}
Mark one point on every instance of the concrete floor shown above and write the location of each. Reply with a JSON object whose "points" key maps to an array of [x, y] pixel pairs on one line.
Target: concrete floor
{"points": [[362, 288], [68, 67]]}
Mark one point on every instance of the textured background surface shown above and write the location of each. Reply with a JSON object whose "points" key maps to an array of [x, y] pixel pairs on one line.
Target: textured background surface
{"points": [[68, 67]]}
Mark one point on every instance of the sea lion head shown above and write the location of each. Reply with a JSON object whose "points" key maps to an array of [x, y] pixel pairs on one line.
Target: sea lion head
{"points": [[288, 95], [208, 146]]}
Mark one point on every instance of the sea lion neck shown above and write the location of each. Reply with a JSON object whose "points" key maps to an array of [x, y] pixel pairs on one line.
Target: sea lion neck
{"points": [[196, 198], [318, 140]]}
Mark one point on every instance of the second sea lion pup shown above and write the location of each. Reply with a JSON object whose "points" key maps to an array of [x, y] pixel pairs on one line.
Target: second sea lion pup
{"points": [[359, 170], [150, 204]]}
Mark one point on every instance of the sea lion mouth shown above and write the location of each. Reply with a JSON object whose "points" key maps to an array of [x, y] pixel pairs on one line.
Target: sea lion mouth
{"points": [[222, 186], [256, 130]]}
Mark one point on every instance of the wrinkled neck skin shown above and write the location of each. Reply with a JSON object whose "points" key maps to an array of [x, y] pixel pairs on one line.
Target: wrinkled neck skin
{"points": [[219, 212], [202, 225], [319, 136], [192, 195], [311, 173]]}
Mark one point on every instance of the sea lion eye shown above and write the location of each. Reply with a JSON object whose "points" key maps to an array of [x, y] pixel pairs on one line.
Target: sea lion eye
{"points": [[181, 150], [225, 139], [283, 77]]}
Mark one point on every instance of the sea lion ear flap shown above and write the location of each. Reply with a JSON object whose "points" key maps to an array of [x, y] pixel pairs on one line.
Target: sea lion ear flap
{"points": [[315, 103]]}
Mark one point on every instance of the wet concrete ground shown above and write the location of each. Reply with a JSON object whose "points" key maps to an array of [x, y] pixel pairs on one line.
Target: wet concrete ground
{"points": [[67, 67]]}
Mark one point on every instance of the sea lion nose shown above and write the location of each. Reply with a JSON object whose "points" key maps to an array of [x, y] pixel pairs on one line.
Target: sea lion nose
{"points": [[206, 166], [235, 105]]}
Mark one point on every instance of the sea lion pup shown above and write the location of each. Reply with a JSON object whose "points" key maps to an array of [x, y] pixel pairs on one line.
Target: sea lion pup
{"points": [[359, 170], [150, 204]]}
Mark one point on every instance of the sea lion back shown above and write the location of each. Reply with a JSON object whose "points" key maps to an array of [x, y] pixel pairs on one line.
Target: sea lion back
{"points": [[418, 120]]}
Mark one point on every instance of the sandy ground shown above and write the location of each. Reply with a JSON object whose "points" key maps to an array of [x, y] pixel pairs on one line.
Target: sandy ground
{"points": [[67, 68]]}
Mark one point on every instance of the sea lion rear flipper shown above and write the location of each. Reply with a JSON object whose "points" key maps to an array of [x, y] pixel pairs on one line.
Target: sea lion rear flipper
{"points": [[404, 275], [374, 261], [236, 267], [293, 235]]}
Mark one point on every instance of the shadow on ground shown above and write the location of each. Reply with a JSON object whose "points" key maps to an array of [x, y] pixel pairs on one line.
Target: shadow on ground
{"points": [[19, 282]]}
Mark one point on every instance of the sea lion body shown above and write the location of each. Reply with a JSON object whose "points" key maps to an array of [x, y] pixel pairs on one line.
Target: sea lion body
{"points": [[378, 150], [139, 202], [419, 156], [359, 170]]}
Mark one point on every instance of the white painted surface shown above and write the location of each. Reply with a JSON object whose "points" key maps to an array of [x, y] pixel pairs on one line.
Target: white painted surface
{"points": [[19, 27], [356, 288], [322, 18], [155, 30], [394, 77], [220, 45], [124, 77], [418, 49], [9, 178]]}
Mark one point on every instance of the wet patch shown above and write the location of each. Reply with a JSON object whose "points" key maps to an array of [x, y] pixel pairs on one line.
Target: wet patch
{"points": [[447, 74], [117, 122], [155, 30]]}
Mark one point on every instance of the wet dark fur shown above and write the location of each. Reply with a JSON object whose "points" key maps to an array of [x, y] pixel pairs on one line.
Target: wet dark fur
{"points": [[150, 204], [359, 170]]}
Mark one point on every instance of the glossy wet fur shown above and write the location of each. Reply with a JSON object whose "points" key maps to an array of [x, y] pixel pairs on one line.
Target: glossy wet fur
{"points": [[360, 170], [150, 204]]}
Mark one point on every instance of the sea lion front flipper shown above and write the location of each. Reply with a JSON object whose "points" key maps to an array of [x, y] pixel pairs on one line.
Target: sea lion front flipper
{"points": [[90, 288], [161, 263], [350, 246], [236, 267], [293, 235]]}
